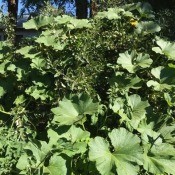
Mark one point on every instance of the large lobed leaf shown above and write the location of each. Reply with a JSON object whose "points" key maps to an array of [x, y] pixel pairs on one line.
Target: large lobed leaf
{"points": [[123, 83], [110, 14], [147, 27], [132, 111], [74, 110], [72, 23], [38, 22], [133, 61], [160, 159], [57, 166], [165, 48], [165, 78], [75, 134], [99, 152], [125, 157], [52, 41], [138, 109]]}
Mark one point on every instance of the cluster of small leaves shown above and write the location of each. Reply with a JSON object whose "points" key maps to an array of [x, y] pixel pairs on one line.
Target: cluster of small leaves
{"points": [[89, 97], [165, 17], [7, 26]]}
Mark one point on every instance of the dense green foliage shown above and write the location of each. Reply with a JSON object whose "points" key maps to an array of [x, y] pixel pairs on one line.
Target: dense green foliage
{"points": [[89, 97]]}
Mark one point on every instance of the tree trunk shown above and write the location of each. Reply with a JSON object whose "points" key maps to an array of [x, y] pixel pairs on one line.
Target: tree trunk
{"points": [[93, 7], [13, 14], [13, 9], [81, 9]]}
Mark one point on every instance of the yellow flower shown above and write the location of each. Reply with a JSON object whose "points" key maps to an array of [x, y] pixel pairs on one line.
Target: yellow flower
{"points": [[133, 22]]}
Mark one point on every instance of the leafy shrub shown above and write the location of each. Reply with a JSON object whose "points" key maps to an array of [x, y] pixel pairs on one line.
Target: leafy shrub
{"points": [[89, 97], [165, 18]]}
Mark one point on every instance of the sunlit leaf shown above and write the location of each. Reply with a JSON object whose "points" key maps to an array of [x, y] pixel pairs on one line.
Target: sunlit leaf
{"points": [[19, 100], [74, 110], [38, 22], [147, 27], [165, 48], [126, 153], [2, 91], [27, 52], [160, 159], [99, 152], [63, 19], [165, 78], [78, 24], [51, 41], [57, 166], [76, 134], [23, 162], [38, 63], [110, 14], [138, 109], [133, 61]]}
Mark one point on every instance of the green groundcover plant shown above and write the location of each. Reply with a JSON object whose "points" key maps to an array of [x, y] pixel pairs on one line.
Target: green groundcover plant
{"points": [[89, 97]]}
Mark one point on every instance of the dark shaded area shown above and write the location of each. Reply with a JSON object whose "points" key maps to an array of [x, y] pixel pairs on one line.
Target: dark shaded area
{"points": [[162, 4], [81, 9]]}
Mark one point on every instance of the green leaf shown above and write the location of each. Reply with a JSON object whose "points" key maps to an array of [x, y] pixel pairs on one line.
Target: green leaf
{"points": [[126, 154], [38, 92], [99, 152], [165, 76], [20, 74], [110, 14], [53, 137], [80, 147], [19, 100], [145, 10], [2, 91], [24, 50], [38, 63], [160, 159], [132, 110], [28, 52], [124, 83], [165, 48], [170, 98], [57, 166], [74, 110], [147, 27], [79, 24], [126, 144], [78, 139], [125, 60], [147, 131], [3, 67], [138, 109], [133, 62], [66, 113], [75, 134], [46, 40], [39, 149], [117, 104], [5, 48], [38, 22], [11, 67], [168, 133], [51, 40], [63, 19], [23, 162]]}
